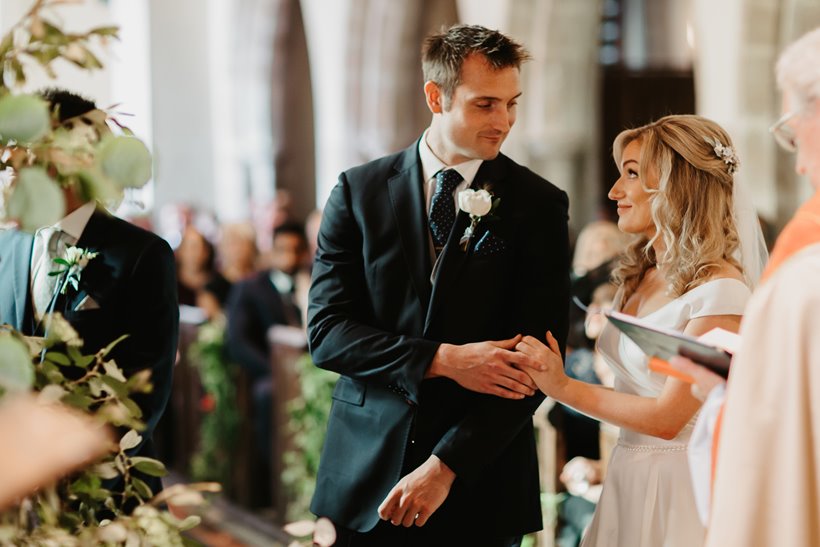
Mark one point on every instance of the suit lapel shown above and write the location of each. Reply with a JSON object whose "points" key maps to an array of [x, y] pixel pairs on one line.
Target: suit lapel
{"points": [[15, 271], [407, 199], [491, 176]]}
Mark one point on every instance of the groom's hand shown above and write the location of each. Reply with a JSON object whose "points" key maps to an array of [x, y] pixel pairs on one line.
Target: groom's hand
{"points": [[485, 367], [418, 495]]}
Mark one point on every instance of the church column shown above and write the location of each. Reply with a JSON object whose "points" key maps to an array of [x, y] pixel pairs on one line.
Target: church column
{"points": [[557, 133]]}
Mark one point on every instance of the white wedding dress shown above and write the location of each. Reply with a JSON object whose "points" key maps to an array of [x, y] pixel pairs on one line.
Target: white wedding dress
{"points": [[647, 498]]}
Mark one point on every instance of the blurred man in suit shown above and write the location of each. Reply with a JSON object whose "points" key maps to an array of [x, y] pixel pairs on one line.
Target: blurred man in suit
{"points": [[128, 288], [254, 306]]}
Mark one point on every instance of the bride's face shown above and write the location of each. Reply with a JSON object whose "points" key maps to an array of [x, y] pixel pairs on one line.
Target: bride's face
{"points": [[634, 216]]}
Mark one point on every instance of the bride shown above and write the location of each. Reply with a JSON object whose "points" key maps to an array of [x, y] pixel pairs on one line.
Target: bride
{"points": [[683, 272]]}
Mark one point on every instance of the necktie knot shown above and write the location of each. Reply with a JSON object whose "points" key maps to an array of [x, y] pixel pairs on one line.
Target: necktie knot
{"points": [[442, 207], [447, 180], [44, 286]]}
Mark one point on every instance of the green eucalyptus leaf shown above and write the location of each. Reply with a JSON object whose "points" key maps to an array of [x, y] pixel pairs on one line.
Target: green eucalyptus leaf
{"points": [[13, 73], [36, 199], [149, 466], [112, 345], [85, 484], [78, 400], [54, 35], [58, 358], [105, 31], [117, 387], [142, 488], [130, 440], [91, 60], [23, 118], [112, 370], [133, 408], [125, 160], [191, 521], [16, 368], [7, 43], [95, 185], [95, 386], [106, 470], [140, 382], [84, 361]]}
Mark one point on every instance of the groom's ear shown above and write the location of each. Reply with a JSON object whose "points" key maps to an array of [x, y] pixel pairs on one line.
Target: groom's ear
{"points": [[432, 92]]}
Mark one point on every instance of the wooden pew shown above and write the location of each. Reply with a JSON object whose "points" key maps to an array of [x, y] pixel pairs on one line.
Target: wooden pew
{"points": [[287, 346]]}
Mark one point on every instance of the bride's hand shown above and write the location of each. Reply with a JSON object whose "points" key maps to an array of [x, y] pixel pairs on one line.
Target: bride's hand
{"points": [[544, 363]]}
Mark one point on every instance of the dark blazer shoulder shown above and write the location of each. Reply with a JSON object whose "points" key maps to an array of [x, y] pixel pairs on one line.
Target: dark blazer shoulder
{"points": [[383, 168], [117, 229]]}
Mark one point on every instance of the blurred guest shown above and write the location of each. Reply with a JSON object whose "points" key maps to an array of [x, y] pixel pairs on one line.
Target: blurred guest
{"points": [[599, 242], [270, 215], [580, 433], [172, 219], [254, 306], [237, 252], [195, 258], [596, 249], [236, 261]]}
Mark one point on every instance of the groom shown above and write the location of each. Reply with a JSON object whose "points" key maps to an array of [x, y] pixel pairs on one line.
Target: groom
{"points": [[128, 288], [430, 437]]}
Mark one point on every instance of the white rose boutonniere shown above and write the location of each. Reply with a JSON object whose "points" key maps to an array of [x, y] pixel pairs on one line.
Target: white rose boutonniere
{"points": [[75, 261], [478, 204]]}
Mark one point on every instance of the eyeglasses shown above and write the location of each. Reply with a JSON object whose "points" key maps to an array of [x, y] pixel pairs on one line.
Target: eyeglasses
{"points": [[784, 133]]}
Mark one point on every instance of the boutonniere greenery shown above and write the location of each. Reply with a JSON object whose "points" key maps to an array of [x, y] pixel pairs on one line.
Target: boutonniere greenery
{"points": [[479, 204], [75, 261]]}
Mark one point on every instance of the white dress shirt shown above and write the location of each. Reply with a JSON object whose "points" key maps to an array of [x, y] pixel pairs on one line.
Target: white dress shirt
{"points": [[72, 226], [431, 164]]}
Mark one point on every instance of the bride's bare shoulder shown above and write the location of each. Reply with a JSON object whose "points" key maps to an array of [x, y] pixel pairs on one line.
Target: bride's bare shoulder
{"points": [[726, 270]]}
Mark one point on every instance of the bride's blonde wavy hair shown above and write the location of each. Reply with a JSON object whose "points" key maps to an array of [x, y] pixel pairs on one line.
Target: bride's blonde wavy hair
{"points": [[691, 207]]}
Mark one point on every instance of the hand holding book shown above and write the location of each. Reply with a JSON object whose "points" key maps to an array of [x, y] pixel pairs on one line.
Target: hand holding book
{"points": [[713, 350]]}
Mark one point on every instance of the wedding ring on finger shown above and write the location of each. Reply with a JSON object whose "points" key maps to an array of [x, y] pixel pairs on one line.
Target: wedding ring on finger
{"points": [[415, 518]]}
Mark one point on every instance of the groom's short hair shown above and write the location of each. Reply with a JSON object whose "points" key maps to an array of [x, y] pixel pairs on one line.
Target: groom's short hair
{"points": [[66, 104], [443, 54]]}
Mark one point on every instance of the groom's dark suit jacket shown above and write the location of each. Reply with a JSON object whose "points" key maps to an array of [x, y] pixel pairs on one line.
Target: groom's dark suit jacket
{"points": [[133, 281], [375, 318]]}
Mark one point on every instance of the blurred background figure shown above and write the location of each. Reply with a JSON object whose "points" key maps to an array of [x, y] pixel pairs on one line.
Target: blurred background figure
{"points": [[270, 215], [196, 264], [596, 251], [237, 254], [583, 472], [254, 306]]}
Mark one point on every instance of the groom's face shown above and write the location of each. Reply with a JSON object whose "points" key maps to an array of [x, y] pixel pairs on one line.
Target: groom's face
{"points": [[476, 120]]}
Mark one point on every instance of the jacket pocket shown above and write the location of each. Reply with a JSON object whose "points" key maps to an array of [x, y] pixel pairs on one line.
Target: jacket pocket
{"points": [[349, 391]]}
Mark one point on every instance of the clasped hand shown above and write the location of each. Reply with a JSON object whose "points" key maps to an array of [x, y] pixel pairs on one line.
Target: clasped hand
{"points": [[542, 363], [507, 368], [512, 369], [491, 367]]}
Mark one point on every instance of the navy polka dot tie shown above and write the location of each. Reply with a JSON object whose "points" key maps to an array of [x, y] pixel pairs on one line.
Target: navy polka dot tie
{"points": [[442, 207]]}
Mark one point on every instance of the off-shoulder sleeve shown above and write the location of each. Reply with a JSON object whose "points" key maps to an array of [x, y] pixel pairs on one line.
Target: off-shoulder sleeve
{"points": [[724, 296]]}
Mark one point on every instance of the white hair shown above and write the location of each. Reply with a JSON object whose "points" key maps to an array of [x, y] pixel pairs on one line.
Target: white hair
{"points": [[798, 69]]}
